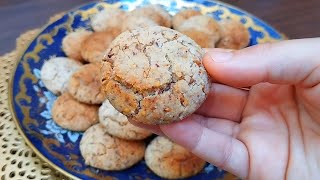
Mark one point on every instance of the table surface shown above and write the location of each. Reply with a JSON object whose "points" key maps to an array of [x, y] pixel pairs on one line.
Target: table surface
{"points": [[295, 18]]}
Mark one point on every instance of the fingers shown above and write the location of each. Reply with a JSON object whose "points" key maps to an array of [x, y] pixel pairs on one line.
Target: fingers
{"points": [[153, 128], [224, 102], [287, 62], [221, 150], [222, 126]]}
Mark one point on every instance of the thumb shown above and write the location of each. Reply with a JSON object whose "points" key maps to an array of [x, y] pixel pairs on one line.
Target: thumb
{"points": [[286, 62]]}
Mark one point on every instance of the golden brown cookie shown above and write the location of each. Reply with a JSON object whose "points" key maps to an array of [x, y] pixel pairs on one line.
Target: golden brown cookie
{"points": [[170, 160], [56, 72], [73, 115], [157, 75], [103, 151], [154, 12], [85, 84], [183, 15], [233, 35], [71, 43], [202, 29], [93, 48], [110, 18], [133, 22], [118, 125]]}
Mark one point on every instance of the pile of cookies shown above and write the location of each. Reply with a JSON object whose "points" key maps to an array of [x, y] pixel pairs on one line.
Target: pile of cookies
{"points": [[208, 33], [110, 141]]}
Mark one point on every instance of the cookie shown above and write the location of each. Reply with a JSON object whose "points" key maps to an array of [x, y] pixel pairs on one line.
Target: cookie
{"points": [[85, 84], [170, 160], [71, 43], [118, 125], [73, 115], [92, 49], [157, 75], [56, 72], [107, 19], [183, 15], [132, 22], [233, 35], [202, 29], [103, 151], [154, 12]]}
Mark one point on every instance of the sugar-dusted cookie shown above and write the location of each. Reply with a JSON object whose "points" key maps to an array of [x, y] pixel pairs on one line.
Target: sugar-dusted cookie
{"points": [[72, 114], [71, 43], [170, 160], [157, 75], [56, 72], [118, 125], [103, 151], [85, 84]]}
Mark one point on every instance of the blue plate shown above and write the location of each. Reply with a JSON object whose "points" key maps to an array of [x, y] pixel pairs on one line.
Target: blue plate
{"points": [[31, 102]]}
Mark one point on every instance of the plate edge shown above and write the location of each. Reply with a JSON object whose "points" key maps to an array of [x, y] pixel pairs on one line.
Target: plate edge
{"points": [[13, 113]]}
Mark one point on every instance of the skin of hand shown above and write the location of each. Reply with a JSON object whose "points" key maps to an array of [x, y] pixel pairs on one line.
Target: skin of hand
{"points": [[271, 131]]}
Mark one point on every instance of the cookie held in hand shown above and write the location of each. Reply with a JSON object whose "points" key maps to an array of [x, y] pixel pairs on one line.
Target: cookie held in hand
{"points": [[157, 75]]}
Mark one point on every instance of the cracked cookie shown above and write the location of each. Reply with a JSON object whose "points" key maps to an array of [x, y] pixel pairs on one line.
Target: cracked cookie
{"points": [[132, 22], [183, 15], [103, 151], [73, 115], [170, 160], [71, 43], [85, 84], [233, 35], [202, 29], [110, 18], [154, 12], [118, 125], [56, 72], [157, 75], [93, 47]]}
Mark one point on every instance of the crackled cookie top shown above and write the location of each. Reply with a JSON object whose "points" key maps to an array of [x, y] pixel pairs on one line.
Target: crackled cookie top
{"points": [[56, 72], [103, 151], [157, 75], [72, 114], [85, 84], [170, 160], [118, 125]]}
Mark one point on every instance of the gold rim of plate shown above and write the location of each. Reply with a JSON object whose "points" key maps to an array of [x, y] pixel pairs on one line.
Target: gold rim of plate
{"points": [[19, 57]]}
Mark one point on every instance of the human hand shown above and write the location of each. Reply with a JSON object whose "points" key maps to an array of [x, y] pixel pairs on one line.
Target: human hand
{"points": [[271, 131]]}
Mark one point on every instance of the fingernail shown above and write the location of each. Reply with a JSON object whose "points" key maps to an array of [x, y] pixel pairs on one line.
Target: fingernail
{"points": [[221, 55]]}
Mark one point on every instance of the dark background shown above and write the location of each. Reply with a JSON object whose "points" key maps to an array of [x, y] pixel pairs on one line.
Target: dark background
{"points": [[295, 18]]}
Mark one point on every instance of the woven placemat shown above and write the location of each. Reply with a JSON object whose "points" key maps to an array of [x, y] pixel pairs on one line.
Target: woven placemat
{"points": [[17, 160]]}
